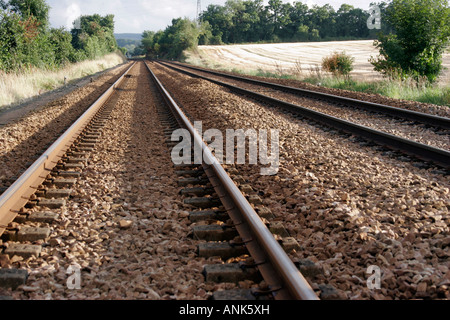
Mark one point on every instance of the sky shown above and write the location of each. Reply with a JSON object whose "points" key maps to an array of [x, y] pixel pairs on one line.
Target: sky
{"points": [[135, 16]]}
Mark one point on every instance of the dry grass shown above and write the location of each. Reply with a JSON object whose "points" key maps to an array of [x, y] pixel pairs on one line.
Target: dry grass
{"points": [[17, 87], [301, 61]]}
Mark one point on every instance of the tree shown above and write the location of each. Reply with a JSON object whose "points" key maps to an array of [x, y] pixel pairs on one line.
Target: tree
{"points": [[422, 32], [253, 9], [386, 28], [302, 33], [352, 22], [61, 41], [182, 34], [279, 18], [297, 25], [241, 20], [23, 43], [323, 19], [38, 9], [206, 37], [219, 20], [27, 41], [275, 14], [12, 41], [96, 35], [251, 21]]}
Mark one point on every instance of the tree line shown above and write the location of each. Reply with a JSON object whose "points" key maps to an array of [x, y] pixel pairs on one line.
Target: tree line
{"points": [[411, 42], [27, 40], [240, 21], [250, 21]]}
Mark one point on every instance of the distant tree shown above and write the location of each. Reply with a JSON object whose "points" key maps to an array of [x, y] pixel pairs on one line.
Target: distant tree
{"points": [[219, 18], [251, 21], [147, 40], [95, 36], [352, 22], [253, 10], [297, 26], [241, 20], [182, 34], [206, 37], [386, 28], [275, 14], [302, 33], [323, 18]]}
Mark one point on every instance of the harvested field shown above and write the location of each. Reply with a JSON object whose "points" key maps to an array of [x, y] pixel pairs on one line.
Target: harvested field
{"points": [[285, 57]]}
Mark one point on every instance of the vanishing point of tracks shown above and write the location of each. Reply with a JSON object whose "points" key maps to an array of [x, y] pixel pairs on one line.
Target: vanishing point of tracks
{"points": [[107, 198]]}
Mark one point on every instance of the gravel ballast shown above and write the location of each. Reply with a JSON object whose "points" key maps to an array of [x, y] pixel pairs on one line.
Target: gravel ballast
{"points": [[22, 141], [125, 225], [350, 207]]}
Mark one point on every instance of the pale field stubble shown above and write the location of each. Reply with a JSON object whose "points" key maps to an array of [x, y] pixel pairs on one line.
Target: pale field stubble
{"points": [[286, 57]]}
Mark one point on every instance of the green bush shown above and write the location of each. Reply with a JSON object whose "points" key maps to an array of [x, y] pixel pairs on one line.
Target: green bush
{"points": [[12, 41], [422, 31], [62, 46], [339, 64], [96, 36]]}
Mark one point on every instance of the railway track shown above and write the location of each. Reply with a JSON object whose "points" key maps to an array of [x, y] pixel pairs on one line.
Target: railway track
{"points": [[281, 275], [80, 136], [418, 150], [348, 205], [400, 113], [28, 208], [140, 228]]}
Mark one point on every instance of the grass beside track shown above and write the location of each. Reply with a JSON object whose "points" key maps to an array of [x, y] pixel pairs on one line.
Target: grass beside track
{"points": [[404, 90], [438, 95], [19, 86]]}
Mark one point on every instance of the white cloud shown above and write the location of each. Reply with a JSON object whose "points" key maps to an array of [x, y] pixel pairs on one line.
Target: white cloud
{"points": [[310, 3], [73, 12]]}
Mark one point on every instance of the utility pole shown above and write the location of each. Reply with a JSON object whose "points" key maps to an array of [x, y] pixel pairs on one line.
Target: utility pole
{"points": [[199, 10]]}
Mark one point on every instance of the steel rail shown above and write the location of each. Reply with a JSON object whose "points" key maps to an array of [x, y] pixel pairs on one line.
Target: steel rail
{"points": [[293, 279], [418, 150], [429, 119], [19, 193]]}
